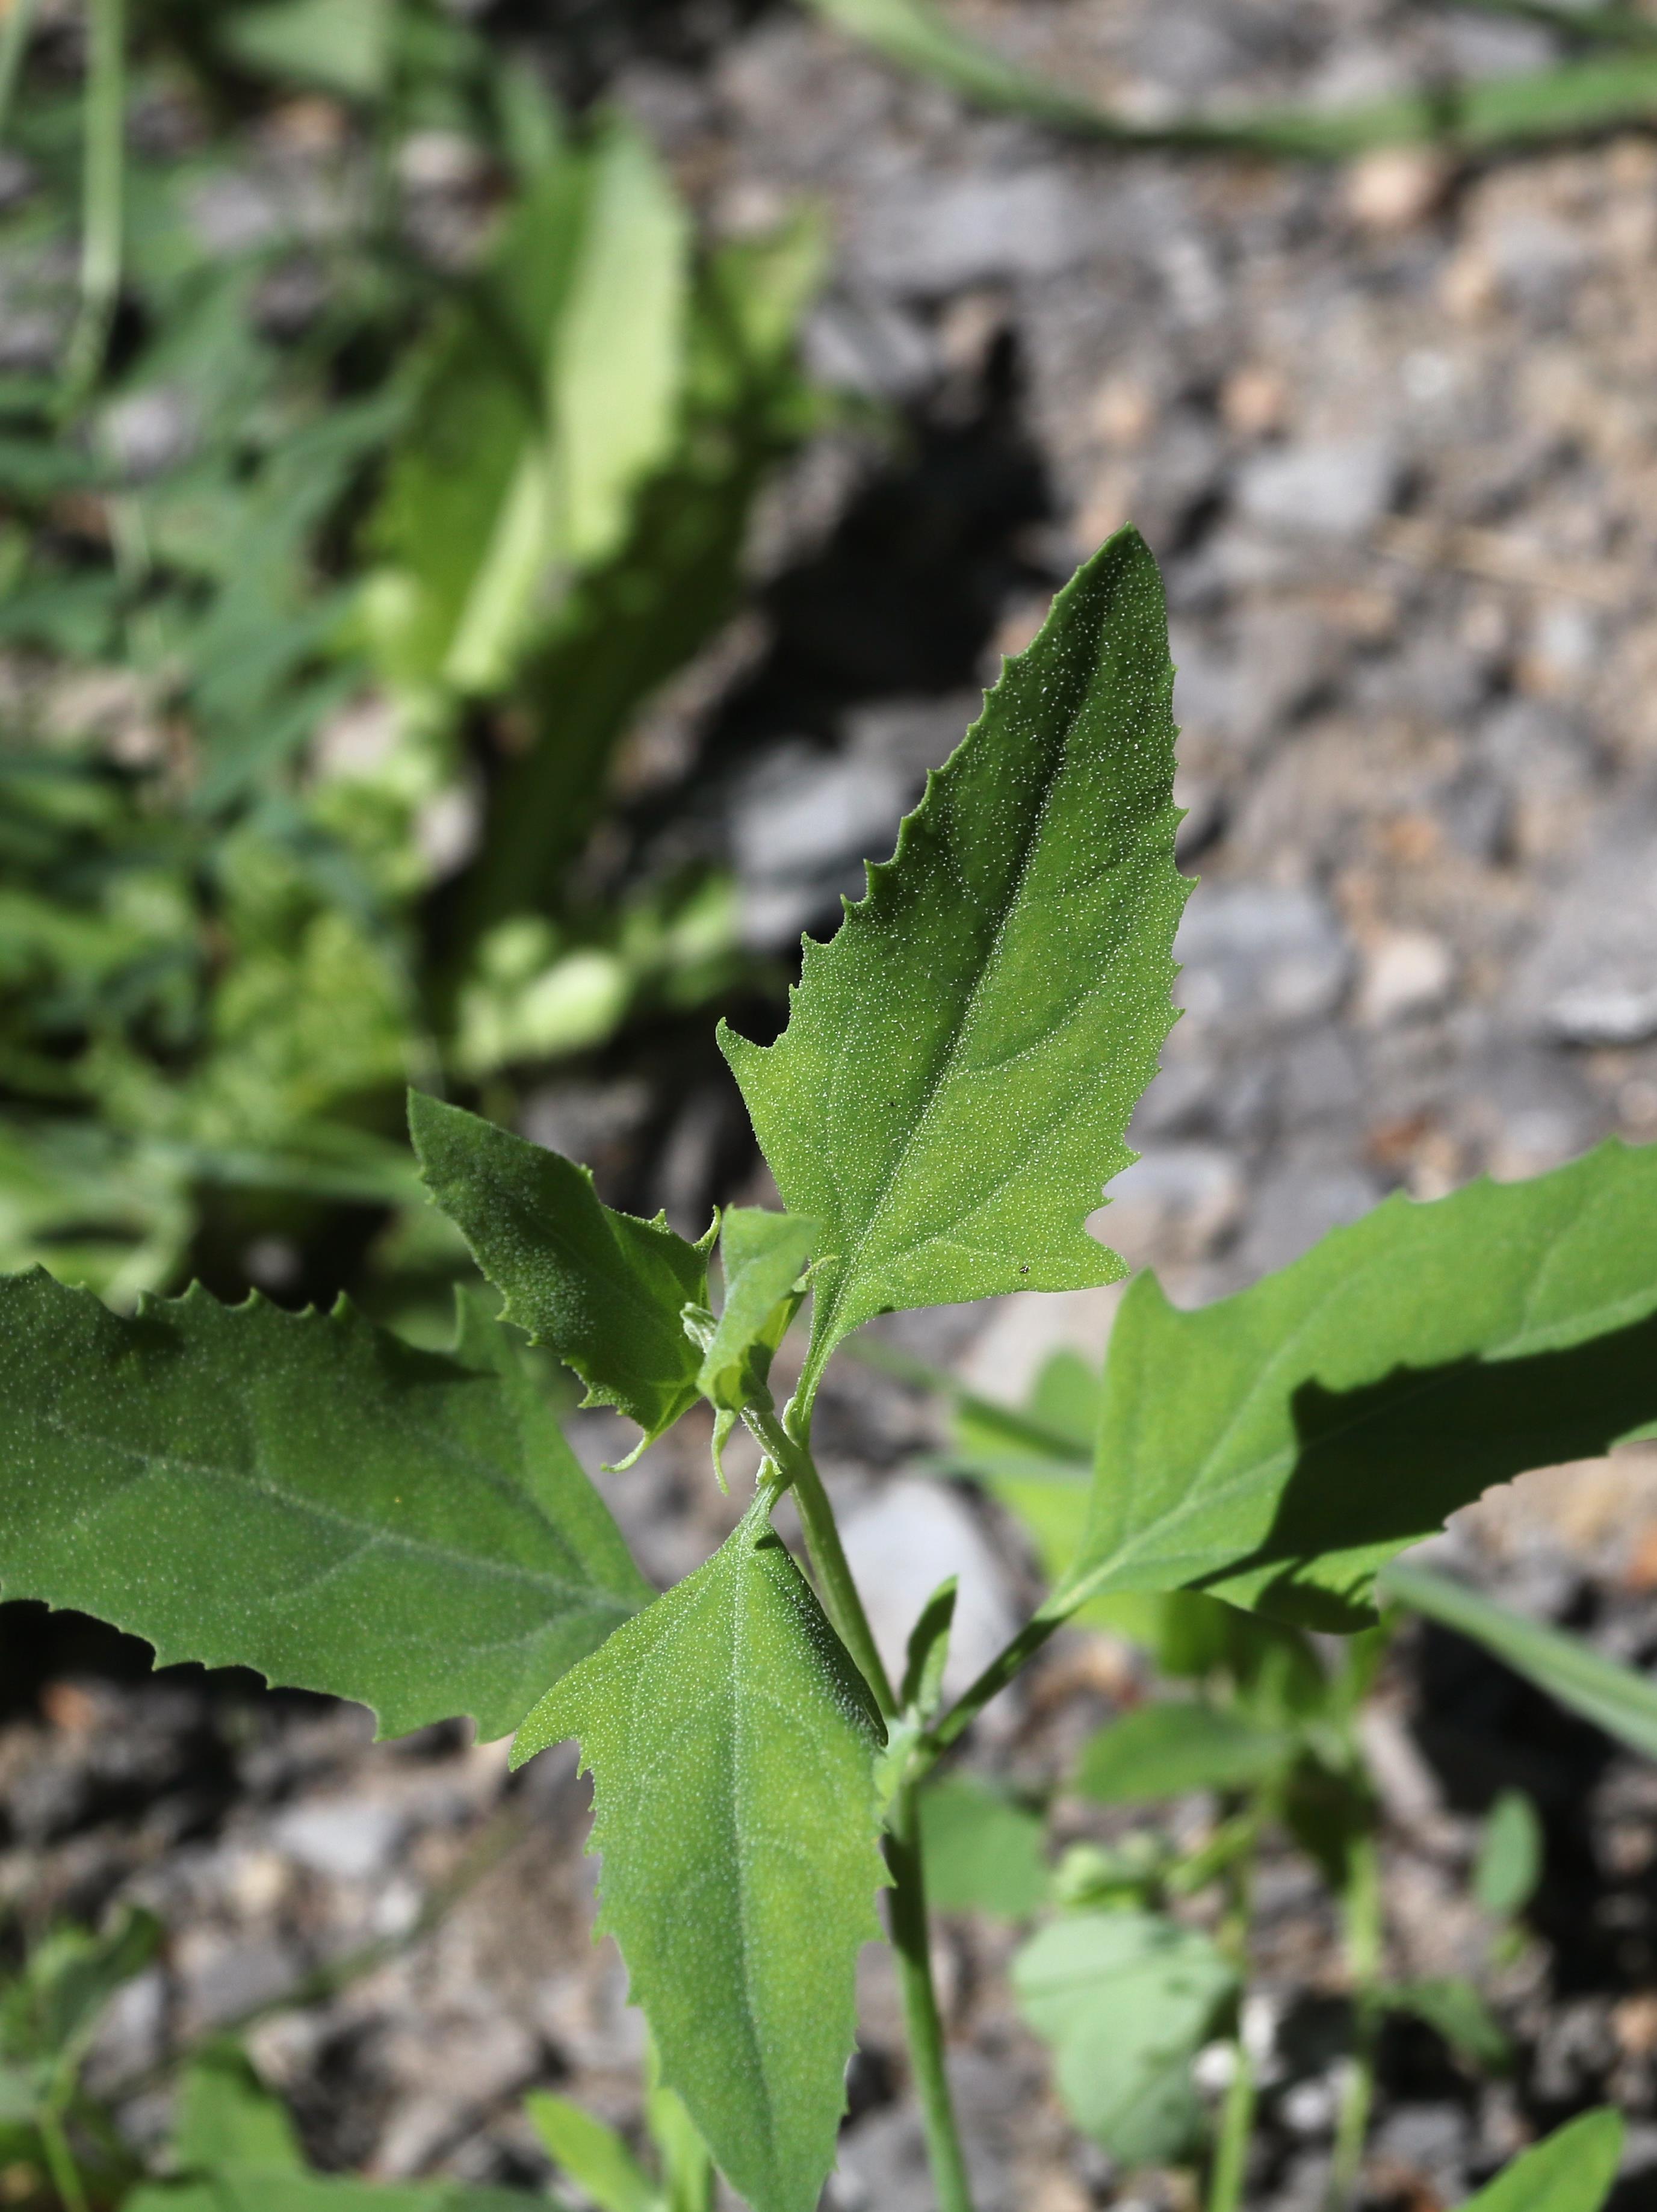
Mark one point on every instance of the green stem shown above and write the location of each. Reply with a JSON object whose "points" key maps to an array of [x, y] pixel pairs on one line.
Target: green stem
{"points": [[912, 1943], [60, 2160], [1229, 2172], [1361, 1905], [103, 178], [792, 1460], [14, 44]]}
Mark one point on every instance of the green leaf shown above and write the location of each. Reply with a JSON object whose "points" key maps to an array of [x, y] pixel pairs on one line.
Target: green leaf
{"points": [[1126, 2000], [1165, 1749], [1510, 1851], [593, 2155], [928, 1653], [961, 1060], [1508, 110], [1277, 1448], [227, 2117], [605, 1290], [343, 45], [1614, 1698], [730, 1741], [982, 1850], [1453, 2008], [305, 1495], [52, 2009], [1572, 2172], [763, 1256]]}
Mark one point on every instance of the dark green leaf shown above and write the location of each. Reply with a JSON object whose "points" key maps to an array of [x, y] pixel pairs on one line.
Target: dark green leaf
{"points": [[605, 1290], [1509, 1862], [928, 1653], [731, 1742], [949, 1095], [1279, 1447], [1614, 1698], [982, 1850], [1164, 1749], [1125, 1999], [1572, 2172], [305, 1495]]}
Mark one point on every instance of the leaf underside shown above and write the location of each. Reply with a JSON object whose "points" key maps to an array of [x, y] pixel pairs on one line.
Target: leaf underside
{"points": [[731, 1746], [1125, 1999], [961, 1060], [305, 1495], [603, 1289], [1279, 1447]]}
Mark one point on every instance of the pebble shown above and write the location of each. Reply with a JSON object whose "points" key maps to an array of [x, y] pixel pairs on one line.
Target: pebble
{"points": [[1336, 490], [910, 1537]]}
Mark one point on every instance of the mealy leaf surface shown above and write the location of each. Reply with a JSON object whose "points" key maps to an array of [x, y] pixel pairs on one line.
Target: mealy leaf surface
{"points": [[304, 1494], [763, 1254], [1277, 1447], [603, 1289], [732, 1743], [961, 1060]]}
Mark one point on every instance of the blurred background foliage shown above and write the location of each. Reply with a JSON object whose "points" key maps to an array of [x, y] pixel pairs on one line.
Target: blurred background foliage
{"points": [[341, 543]]}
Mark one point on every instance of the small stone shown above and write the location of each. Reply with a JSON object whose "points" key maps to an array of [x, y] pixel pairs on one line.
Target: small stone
{"points": [[1591, 979], [1176, 1203], [346, 1838], [1340, 488], [803, 826], [1254, 402], [1406, 974], [950, 233], [901, 1545], [1394, 188], [1257, 957]]}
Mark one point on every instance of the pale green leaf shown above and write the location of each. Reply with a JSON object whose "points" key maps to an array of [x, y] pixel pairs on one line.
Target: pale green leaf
{"points": [[603, 1289], [763, 1256], [1613, 1697], [1572, 2172], [227, 2117], [302, 1494], [1510, 1853], [593, 2155], [341, 45], [1277, 1448], [1164, 1749], [731, 1742], [1125, 1999], [949, 1096], [982, 1850]]}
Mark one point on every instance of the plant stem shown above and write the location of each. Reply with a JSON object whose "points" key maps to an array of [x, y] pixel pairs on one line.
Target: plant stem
{"points": [[14, 44], [60, 2160], [924, 2029], [1229, 2172], [103, 178], [1361, 1904], [792, 1460]]}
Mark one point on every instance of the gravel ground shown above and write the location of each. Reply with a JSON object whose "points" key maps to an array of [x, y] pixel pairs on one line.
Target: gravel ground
{"points": [[1390, 430]]}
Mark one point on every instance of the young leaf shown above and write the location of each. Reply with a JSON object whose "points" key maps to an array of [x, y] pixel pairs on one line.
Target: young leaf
{"points": [[605, 1290], [1510, 1853], [763, 1256], [1613, 1697], [1275, 1448], [1125, 1999], [593, 2155], [949, 1095], [928, 1652], [1571, 2171], [1165, 1749], [982, 1850], [304, 1494], [732, 1742]]}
